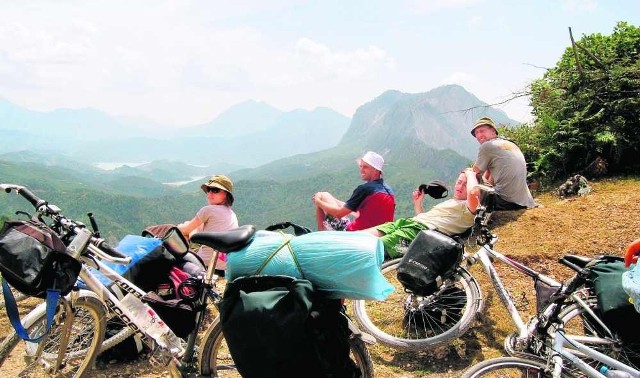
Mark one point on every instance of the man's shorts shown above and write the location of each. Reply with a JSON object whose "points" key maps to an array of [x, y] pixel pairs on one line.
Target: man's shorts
{"points": [[332, 223], [399, 234]]}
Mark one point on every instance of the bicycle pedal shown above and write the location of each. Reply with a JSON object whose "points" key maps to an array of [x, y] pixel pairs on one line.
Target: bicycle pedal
{"points": [[160, 357], [174, 370]]}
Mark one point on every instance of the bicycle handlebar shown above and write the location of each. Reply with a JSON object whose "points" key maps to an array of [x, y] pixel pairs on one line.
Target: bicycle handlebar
{"points": [[65, 223], [109, 250], [24, 192]]}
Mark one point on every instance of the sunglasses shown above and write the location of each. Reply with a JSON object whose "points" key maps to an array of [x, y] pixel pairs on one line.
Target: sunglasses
{"points": [[214, 190]]}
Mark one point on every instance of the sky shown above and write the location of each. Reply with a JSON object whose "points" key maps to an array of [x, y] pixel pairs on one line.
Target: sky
{"points": [[182, 63]]}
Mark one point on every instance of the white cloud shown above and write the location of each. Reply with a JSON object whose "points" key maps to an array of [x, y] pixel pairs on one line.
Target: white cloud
{"points": [[433, 6], [347, 65], [185, 61], [475, 22]]}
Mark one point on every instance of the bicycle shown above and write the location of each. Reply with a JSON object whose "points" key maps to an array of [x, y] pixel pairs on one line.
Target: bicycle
{"points": [[554, 366], [407, 321], [563, 354], [76, 337]]}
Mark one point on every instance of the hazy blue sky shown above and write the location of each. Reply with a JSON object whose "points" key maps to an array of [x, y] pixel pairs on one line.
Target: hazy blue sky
{"points": [[184, 62]]}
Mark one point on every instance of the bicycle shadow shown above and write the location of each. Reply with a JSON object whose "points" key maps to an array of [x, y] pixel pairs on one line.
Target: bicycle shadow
{"points": [[502, 217], [479, 343]]}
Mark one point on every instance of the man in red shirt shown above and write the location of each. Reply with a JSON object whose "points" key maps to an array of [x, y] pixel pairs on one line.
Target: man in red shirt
{"points": [[372, 203]]}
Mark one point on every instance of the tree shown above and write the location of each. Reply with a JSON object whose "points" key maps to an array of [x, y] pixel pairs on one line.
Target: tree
{"points": [[587, 106]]}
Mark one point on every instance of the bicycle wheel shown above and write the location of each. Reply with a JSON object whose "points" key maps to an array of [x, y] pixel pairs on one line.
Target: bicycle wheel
{"points": [[361, 356], [508, 367], [26, 359], [109, 341], [579, 324], [216, 361], [411, 322], [18, 296]]}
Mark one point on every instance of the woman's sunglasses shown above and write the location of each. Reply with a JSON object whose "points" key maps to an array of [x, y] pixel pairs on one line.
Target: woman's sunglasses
{"points": [[213, 190]]}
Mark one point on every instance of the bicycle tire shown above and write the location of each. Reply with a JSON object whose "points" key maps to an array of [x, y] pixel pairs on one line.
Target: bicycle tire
{"points": [[509, 367], [406, 321], [215, 359], [577, 322], [18, 358], [108, 342]]}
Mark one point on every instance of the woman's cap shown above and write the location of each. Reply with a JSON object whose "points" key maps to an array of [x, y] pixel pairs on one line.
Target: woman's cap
{"points": [[374, 160], [221, 182], [484, 121]]}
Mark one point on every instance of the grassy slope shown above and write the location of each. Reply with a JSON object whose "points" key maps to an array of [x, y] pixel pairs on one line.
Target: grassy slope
{"points": [[604, 221]]}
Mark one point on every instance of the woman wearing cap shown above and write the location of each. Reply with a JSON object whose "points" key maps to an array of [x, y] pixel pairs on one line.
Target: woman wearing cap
{"points": [[216, 216]]}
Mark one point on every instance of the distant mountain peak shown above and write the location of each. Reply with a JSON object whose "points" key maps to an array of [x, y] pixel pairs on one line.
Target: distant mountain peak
{"points": [[440, 118]]}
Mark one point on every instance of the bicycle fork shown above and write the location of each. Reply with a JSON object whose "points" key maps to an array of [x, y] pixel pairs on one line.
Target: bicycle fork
{"points": [[64, 340]]}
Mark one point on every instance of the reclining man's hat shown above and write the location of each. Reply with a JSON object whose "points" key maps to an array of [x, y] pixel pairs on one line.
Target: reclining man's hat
{"points": [[436, 189]]}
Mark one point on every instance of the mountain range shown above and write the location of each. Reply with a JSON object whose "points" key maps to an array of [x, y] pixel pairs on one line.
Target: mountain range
{"points": [[92, 136], [276, 159]]}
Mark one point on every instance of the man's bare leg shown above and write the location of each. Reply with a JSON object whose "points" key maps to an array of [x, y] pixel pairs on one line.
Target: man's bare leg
{"points": [[324, 198], [375, 232]]}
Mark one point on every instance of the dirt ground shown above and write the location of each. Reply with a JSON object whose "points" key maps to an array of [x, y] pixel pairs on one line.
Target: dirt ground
{"points": [[603, 221]]}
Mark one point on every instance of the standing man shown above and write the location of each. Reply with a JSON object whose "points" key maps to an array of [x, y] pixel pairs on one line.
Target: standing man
{"points": [[372, 203], [502, 166]]}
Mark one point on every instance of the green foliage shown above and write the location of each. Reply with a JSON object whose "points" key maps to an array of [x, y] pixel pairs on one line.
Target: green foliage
{"points": [[587, 107]]}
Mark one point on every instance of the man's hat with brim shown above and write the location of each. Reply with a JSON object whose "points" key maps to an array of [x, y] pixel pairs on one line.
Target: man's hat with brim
{"points": [[484, 121]]}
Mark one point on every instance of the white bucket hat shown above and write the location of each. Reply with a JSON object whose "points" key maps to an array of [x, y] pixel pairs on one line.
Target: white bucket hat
{"points": [[373, 159]]}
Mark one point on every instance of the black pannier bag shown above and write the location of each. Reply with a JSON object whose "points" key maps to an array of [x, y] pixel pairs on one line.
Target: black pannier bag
{"points": [[431, 258], [151, 270], [33, 259], [279, 326], [613, 302]]}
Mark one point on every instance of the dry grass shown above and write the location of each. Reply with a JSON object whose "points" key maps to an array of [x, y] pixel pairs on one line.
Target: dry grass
{"points": [[604, 221]]}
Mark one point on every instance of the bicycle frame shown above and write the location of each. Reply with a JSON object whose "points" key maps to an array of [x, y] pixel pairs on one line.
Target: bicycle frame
{"points": [[485, 254], [561, 353], [94, 260], [114, 304]]}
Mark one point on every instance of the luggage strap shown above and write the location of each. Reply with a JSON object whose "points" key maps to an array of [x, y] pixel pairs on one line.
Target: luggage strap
{"points": [[287, 243], [14, 316]]}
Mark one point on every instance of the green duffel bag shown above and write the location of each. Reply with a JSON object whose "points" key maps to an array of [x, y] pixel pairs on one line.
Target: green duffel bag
{"points": [[613, 302], [278, 326]]}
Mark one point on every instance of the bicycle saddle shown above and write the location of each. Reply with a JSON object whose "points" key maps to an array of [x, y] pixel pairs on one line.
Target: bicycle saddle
{"points": [[579, 261], [226, 241]]}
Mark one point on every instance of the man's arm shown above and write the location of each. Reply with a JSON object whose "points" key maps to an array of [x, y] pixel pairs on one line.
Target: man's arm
{"points": [[331, 205], [188, 227], [473, 193], [417, 196]]}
